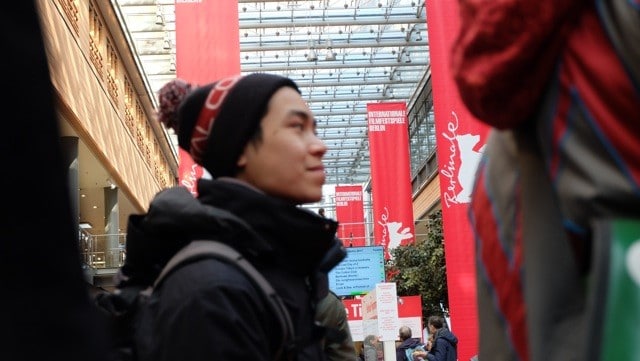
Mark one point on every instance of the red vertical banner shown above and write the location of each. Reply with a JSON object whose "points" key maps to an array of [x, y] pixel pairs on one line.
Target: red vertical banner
{"points": [[460, 141], [390, 175], [207, 49], [350, 215], [207, 40], [189, 171]]}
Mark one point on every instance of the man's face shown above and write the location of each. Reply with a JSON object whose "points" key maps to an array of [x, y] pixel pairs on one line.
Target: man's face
{"points": [[287, 161]]}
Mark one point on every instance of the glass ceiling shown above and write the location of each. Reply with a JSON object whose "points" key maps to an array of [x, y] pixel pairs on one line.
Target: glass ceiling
{"points": [[343, 54]]}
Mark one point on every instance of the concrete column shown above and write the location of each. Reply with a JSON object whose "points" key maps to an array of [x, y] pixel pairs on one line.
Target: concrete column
{"points": [[112, 226], [69, 146]]}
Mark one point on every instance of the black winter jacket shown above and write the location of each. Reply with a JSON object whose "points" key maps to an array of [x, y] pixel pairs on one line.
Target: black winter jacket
{"points": [[208, 310]]}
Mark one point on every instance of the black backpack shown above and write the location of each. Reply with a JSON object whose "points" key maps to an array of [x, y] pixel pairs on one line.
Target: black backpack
{"points": [[122, 306]]}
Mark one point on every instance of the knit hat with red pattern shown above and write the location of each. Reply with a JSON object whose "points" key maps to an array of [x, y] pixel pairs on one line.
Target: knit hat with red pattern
{"points": [[215, 122]]}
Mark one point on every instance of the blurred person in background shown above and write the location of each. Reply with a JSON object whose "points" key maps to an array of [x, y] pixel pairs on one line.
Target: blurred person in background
{"points": [[45, 308], [559, 83]]}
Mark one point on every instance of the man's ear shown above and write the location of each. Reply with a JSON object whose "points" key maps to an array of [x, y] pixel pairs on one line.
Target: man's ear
{"points": [[242, 161]]}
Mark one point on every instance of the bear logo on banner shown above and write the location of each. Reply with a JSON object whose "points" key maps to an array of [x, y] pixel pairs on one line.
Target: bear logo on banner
{"points": [[460, 169], [469, 160], [393, 232]]}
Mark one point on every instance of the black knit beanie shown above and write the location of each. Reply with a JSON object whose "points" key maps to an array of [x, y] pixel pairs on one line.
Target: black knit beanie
{"points": [[216, 121]]}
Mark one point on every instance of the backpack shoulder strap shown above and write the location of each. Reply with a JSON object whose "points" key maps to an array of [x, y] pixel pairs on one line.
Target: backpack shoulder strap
{"points": [[209, 248]]}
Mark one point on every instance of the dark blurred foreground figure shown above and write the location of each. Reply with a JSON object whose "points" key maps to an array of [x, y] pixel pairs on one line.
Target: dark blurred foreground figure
{"points": [[331, 314], [559, 81], [338, 343], [256, 137], [45, 310]]}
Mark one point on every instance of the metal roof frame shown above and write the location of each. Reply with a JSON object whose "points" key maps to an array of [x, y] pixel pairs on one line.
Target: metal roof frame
{"points": [[342, 54]]}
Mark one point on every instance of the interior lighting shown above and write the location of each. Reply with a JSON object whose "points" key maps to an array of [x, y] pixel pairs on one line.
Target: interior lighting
{"points": [[159, 17], [312, 56], [166, 44], [407, 57], [330, 54]]}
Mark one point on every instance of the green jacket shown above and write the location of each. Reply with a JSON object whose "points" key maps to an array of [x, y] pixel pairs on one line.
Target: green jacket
{"points": [[338, 344]]}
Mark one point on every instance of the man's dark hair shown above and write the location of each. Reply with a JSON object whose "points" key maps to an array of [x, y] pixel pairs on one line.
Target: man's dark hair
{"points": [[436, 321]]}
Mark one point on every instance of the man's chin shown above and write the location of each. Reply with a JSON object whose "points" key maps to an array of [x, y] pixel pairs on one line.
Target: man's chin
{"points": [[309, 197]]}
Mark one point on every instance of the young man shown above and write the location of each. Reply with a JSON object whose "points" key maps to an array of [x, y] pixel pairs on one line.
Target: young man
{"points": [[445, 343], [256, 137]]}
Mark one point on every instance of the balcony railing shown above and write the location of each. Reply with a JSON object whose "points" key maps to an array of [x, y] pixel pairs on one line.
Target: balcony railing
{"points": [[102, 250]]}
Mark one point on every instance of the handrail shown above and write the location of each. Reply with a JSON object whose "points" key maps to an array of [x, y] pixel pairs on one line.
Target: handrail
{"points": [[102, 250]]}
